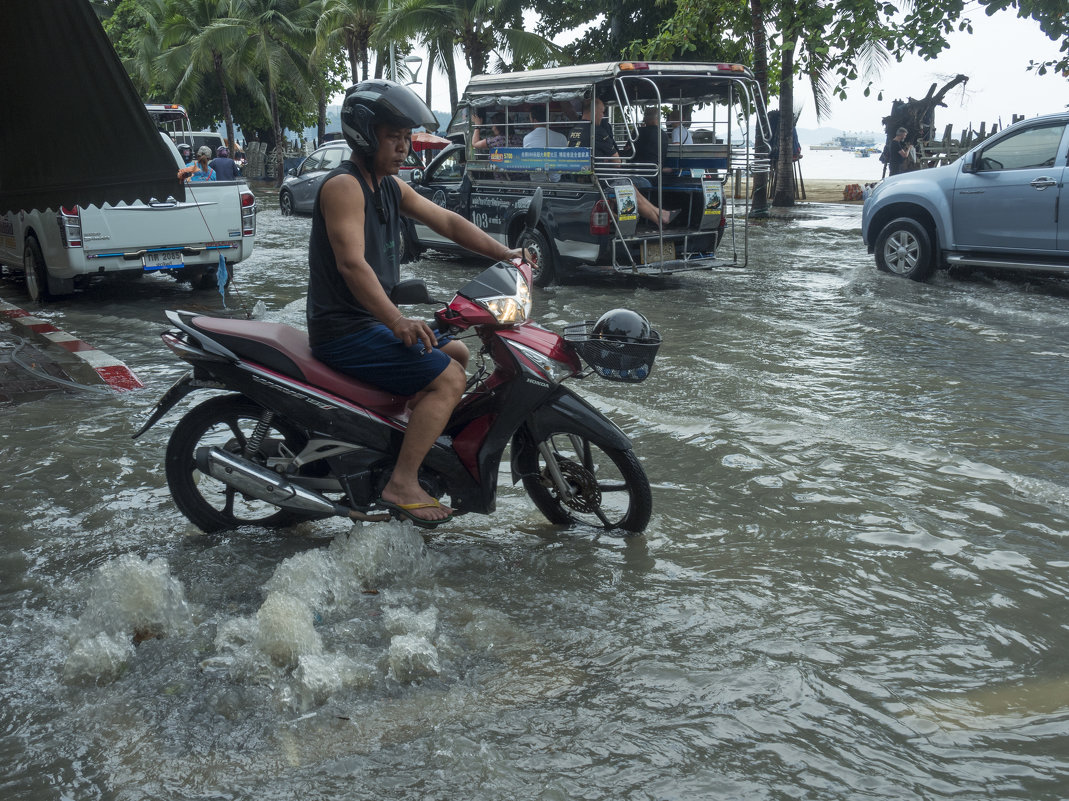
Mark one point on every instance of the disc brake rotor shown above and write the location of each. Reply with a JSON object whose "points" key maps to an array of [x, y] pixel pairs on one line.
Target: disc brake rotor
{"points": [[586, 496]]}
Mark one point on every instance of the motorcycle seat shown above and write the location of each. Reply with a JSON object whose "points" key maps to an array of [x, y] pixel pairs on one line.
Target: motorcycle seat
{"points": [[284, 349]]}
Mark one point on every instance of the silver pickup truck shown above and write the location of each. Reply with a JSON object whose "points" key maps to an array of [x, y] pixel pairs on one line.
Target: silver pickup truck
{"points": [[996, 208], [59, 250]]}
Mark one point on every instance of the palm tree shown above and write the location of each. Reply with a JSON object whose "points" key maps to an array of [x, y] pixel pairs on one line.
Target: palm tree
{"points": [[196, 48], [479, 28], [274, 37], [350, 24]]}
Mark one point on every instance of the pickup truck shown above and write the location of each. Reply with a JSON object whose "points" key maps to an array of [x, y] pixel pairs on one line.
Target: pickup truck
{"points": [[996, 208], [599, 208], [60, 250]]}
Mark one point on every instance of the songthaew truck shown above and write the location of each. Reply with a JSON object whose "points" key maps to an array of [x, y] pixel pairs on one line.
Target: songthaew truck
{"points": [[516, 132], [59, 250]]}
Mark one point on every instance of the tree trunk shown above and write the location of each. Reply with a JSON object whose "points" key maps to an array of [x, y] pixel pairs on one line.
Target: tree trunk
{"points": [[280, 143], [353, 49], [228, 115], [760, 66], [451, 76], [916, 115], [321, 103], [785, 165]]}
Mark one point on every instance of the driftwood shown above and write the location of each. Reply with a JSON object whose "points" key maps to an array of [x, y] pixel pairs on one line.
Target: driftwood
{"points": [[917, 116]]}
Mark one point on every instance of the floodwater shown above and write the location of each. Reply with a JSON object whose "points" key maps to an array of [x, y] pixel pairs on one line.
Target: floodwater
{"points": [[854, 584]]}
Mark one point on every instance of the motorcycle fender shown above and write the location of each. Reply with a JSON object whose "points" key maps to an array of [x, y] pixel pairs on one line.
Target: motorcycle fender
{"points": [[569, 411], [182, 387]]}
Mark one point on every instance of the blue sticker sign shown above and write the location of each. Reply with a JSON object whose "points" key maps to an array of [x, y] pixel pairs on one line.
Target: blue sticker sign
{"points": [[541, 159]]}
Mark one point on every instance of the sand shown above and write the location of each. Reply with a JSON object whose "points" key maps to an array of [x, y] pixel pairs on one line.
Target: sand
{"points": [[826, 190]]}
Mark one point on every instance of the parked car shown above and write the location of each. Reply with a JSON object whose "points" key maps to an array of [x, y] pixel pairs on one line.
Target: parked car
{"points": [[301, 185], [996, 208]]}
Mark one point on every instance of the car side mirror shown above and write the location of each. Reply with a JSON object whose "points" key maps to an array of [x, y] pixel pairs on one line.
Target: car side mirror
{"points": [[968, 163], [417, 176], [292, 171], [410, 292]]}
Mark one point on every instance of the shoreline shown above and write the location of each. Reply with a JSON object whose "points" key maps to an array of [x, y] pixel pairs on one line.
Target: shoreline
{"points": [[828, 190]]}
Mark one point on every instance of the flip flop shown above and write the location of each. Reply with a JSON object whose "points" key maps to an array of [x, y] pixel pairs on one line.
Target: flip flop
{"points": [[672, 216], [404, 512]]}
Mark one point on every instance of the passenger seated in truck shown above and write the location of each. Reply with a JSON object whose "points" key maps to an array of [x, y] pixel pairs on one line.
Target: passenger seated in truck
{"points": [[652, 140], [604, 146]]}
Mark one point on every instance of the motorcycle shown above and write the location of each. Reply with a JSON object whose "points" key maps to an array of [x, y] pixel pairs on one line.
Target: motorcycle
{"points": [[295, 440]]}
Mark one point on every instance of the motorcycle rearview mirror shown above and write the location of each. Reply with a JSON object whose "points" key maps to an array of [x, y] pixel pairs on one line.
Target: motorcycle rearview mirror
{"points": [[530, 220], [534, 211], [410, 292]]}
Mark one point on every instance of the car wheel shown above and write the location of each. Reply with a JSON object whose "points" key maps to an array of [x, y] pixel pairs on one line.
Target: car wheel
{"points": [[904, 248], [35, 270], [285, 203], [544, 270]]}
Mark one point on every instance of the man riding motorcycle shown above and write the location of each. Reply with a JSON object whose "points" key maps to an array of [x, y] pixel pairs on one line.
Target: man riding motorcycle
{"points": [[353, 254]]}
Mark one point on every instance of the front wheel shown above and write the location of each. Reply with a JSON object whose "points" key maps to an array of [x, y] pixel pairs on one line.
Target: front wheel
{"points": [[285, 203], [606, 486], [228, 423], [905, 248]]}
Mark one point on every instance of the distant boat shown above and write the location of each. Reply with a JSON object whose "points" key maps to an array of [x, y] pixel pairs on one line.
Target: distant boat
{"points": [[862, 153]]}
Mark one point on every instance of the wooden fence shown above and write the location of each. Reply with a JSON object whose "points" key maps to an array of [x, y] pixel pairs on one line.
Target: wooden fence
{"points": [[934, 152]]}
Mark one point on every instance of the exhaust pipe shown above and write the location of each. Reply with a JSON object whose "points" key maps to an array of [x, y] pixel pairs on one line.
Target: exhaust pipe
{"points": [[266, 485]]}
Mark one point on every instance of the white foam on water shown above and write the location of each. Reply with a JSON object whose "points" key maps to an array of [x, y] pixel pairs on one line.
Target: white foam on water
{"points": [[129, 600], [286, 630], [412, 658]]}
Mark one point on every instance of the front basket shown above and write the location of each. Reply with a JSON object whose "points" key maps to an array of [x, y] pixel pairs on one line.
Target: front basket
{"points": [[614, 360]]}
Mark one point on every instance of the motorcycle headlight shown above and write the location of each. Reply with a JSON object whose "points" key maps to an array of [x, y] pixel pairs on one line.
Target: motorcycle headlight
{"points": [[511, 309], [551, 368]]}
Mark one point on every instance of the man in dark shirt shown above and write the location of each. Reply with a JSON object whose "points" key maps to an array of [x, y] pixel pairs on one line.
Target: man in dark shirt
{"points": [[895, 152], [354, 263], [652, 140], [605, 148], [226, 169]]}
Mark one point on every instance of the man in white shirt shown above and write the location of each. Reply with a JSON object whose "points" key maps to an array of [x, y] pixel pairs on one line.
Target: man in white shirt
{"points": [[680, 133], [542, 136]]}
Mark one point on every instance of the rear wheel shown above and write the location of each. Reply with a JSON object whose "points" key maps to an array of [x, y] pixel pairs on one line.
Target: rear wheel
{"points": [[905, 248], [285, 203], [607, 486], [228, 423], [35, 270]]}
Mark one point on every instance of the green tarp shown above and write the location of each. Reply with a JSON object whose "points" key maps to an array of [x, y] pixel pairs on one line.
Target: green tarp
{"points": [[73, 131]]}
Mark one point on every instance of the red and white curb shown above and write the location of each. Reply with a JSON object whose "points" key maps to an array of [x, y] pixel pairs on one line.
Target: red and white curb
{"points": [[88, 365]]}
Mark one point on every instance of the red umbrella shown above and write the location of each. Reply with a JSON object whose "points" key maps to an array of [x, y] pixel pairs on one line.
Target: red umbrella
{"points": [[421, 140]]}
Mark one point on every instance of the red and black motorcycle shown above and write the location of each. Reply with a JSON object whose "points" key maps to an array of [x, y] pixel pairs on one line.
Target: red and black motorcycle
{"points": [[294, 440]]}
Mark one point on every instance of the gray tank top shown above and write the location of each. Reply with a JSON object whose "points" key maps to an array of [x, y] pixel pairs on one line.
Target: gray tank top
{"points": [[332, 311]]}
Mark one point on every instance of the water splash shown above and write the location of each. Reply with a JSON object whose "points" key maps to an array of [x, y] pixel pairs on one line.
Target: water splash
{"points": [[130, 601]]}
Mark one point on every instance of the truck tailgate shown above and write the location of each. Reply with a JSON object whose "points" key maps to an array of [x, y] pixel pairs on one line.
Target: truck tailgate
{"points": [[210, 214]]}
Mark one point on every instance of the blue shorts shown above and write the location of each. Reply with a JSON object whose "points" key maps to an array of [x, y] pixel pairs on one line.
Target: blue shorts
{"points": [[375, 356]]}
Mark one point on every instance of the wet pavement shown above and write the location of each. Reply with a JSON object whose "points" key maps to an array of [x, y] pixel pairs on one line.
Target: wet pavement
{"points": [[854, 583]]}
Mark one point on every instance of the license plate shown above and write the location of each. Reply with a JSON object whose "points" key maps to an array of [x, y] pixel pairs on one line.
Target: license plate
{"points": [[162, 259], [655, 254]]}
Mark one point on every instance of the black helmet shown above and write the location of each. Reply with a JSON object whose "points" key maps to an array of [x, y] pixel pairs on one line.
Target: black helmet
{"points": [[623, 325], [185, 151], [377, 102]]}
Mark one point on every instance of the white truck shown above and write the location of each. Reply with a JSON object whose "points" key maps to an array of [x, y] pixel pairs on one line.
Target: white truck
{"points": [[60, 250]]}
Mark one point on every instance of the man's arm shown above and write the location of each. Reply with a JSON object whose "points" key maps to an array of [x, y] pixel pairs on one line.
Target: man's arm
{"points": [[342, 204]]}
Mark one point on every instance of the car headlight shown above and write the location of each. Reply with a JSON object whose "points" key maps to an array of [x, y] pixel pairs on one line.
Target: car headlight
{"points": [[510, 309]]}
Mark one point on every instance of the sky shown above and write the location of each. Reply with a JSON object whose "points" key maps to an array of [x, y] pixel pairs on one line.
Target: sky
{"points": [[995, 57]]}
